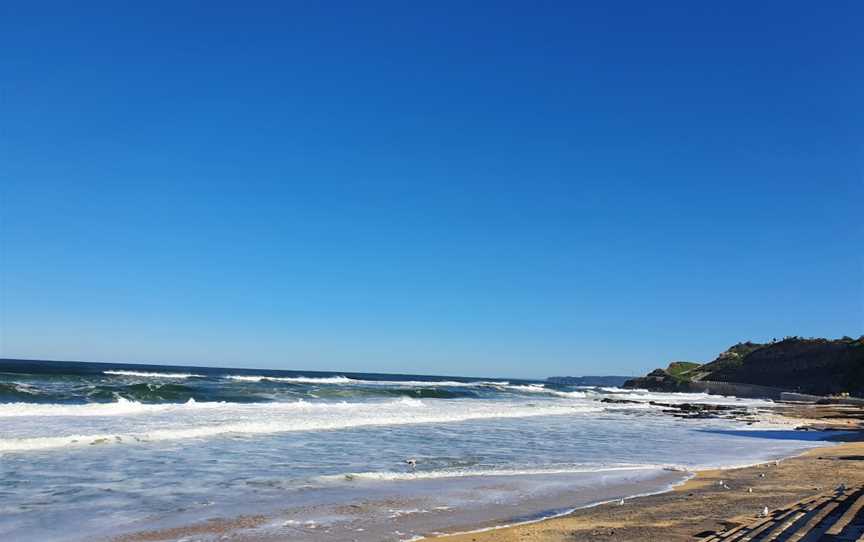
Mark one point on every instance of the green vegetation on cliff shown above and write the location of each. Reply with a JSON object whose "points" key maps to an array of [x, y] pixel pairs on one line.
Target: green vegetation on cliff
{"points": [[681, 369], [814, 366]]}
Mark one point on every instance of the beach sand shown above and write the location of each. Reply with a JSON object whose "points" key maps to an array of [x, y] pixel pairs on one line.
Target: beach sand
{"points": [[702, 504]]}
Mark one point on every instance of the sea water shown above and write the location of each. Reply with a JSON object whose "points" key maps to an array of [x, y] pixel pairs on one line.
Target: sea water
{"points": [[95, 451]]}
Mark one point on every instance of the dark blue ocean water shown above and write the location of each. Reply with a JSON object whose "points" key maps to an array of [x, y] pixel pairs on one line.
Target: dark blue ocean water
{"points": [[75, 382]]}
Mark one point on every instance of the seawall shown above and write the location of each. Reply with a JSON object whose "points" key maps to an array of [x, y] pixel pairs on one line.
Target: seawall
{"points": [[752, 391]]}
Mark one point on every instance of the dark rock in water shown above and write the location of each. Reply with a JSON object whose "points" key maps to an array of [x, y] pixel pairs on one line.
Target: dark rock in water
{"points": [[690, 410], [700, 411], [698, 407], [620, 401]]}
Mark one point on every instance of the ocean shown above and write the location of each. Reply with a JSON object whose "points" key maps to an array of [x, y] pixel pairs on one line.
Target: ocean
{"points": [[93, 451]]}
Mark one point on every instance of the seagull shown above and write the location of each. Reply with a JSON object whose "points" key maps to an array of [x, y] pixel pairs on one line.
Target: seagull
{"points": [[749, 490], [761, 475], [412, 463], [765, 512], [621, 502]]}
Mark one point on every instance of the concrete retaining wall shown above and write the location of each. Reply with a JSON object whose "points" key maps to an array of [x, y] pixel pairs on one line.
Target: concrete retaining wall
{"points": [[738, 390], [805, 398], [765, 392]]}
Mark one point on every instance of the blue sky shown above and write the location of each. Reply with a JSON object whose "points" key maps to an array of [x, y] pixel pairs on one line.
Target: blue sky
{"points": [[501, 189]]}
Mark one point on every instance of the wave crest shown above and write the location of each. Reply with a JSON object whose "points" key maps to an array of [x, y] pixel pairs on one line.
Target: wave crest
{"points": [[270, 418], [464, 473], [145, 374]]}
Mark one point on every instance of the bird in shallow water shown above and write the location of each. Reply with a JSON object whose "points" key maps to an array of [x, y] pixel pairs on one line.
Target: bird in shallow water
{"points": [[412, 463]]}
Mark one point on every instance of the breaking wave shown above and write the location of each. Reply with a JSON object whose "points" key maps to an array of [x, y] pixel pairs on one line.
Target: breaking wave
{"points": [[145, 374], [269, 418], [464, 473], [344, 380], [294, 379]]}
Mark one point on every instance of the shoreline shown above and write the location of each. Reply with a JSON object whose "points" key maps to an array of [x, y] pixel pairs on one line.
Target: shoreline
{"points": [[671, 513], [450, 536], [700, 503]]}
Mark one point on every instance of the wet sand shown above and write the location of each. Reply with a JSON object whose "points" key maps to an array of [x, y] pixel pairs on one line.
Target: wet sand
{"points": [[702, 504]]}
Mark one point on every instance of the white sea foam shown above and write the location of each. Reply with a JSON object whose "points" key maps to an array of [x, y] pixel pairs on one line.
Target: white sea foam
{"points": [[497, 384], [25, 388], [125, 407], [145, 374], [607, 389], [295, 379], [268, 418], [122, 407], [344, 380], [539, 388], [464, 473], [441, 383]]}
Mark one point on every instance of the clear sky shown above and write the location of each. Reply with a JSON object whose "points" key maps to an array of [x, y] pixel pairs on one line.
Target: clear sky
{"points": [[497, 189]]}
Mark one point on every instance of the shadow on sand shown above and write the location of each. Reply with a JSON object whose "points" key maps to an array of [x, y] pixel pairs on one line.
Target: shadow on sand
{"points": [[806, 436]]}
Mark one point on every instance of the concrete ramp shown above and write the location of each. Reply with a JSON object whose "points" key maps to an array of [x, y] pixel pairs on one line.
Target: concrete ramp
{"points": [[832, 517]]}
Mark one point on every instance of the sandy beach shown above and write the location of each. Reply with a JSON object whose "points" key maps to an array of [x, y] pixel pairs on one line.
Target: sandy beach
{"points": [[702, 503]]}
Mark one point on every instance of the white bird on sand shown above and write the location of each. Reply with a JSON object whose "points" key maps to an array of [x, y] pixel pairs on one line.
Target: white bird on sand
{"points": [[765, 512], [412, 463], [761, 475], [621, 502], [749, 490]]}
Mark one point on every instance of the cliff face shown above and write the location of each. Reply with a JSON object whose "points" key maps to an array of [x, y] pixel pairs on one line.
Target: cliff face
{"points": [[813, 366], [816, 366]]}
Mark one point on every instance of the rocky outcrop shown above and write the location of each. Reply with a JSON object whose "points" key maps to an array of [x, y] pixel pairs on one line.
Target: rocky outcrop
{"points": [[811, 366], [656, 380]]}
